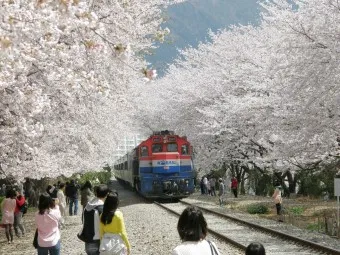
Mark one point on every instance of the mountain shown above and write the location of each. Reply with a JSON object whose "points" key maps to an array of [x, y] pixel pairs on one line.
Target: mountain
{"points": [[189, 23]]}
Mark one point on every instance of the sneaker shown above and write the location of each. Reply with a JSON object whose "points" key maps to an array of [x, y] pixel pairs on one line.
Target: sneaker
{"points": [[9, 242]]}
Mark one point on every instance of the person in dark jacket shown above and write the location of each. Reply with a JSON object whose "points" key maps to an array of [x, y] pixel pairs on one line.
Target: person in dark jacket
{"points": [[91, 221], [67, 185], [86, 193], [52, 191], [72, 193]]}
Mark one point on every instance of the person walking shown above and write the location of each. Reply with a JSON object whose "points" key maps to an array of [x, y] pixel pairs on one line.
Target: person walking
{"points": [[255, 248], [112, 227], [18, 225], [73, 196], [212, 186], [8, 206], [234, 185], [62, 203], [91, 221], [67, 185], [205, 183], [47, 222], [277, 196], [62, 199], [208, 188], [193, 229], [3, 189], [52, 191], [202, 186], [86, 193], [221, 191]]}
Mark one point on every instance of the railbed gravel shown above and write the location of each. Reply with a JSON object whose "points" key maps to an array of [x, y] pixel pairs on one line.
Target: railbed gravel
{"points": [[312, 236]]}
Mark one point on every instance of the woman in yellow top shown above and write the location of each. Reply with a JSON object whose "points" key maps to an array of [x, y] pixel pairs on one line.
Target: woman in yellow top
{"points": [[113, 234]]}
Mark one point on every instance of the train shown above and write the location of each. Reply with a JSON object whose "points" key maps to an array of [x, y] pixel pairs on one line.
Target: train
{"points": [[160, 167]]}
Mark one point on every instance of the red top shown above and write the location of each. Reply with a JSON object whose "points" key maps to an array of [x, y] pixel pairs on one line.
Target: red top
{"points": [[20, 200], [234, 183]]}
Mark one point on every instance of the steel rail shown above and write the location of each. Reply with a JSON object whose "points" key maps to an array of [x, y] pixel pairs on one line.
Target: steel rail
{"points": [[301, 241], [218, 235]]}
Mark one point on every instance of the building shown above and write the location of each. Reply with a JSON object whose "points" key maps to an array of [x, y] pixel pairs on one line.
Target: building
{"points": [[127, 144]]}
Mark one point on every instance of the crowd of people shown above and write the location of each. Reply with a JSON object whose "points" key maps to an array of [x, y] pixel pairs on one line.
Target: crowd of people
{"points": [[209, 186], [103, 229]]}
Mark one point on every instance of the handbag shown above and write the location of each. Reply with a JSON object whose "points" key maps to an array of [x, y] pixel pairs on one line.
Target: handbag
{"points": [[35, 239], [213, 249], [112, 244]]}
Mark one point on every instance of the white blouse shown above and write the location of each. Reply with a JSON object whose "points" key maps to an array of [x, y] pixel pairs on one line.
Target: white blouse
{"points": [[194, 248]]}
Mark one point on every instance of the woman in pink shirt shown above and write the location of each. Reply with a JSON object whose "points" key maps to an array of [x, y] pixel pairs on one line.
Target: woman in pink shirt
{"points": [[8, 207], [47, 222]]}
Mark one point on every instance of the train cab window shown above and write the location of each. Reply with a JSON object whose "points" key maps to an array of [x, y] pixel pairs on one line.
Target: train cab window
{"points": [[157, 147], [144, 151], [172, 147], [184, 149]]}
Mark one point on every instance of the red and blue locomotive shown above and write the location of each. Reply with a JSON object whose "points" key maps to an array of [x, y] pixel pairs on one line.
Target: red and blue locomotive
{"points": [[159, 167]]}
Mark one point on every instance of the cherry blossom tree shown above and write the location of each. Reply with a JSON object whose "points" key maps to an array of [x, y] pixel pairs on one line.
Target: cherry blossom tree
{"points": [[65, 71], [266, 95]]}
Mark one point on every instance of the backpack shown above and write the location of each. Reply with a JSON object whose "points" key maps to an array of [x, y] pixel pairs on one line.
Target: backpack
{"points": [[87, 232], [24, 208]]}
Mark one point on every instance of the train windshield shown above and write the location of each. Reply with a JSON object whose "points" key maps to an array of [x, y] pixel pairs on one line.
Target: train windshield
{"points": [[157, 147], [144, 151], [172, 147]]}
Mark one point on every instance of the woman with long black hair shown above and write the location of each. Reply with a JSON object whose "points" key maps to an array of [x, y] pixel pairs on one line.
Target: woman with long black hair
{"points": [[86, 194], [47, 221], [113, 236], [193, 229]]}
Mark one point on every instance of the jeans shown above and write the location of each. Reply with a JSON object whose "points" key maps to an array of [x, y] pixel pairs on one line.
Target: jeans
{"points": [[75, 202], [220, 199], [92, 248], [18, 225], [54, 250], [213, 192]]}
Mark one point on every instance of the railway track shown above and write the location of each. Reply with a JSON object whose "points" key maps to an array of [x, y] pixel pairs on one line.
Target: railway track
{"points": [[240, 233]]}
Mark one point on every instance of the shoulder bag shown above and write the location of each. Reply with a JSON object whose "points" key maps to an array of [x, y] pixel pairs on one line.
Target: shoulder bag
{"points": [[112, 244], [213, 249], [35, 239]]}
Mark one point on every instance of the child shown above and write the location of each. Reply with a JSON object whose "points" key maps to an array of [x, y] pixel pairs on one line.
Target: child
{"points": [[255, 249]]}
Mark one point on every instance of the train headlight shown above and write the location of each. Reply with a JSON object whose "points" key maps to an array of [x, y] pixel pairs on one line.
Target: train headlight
{"points": [[187, 181]]}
